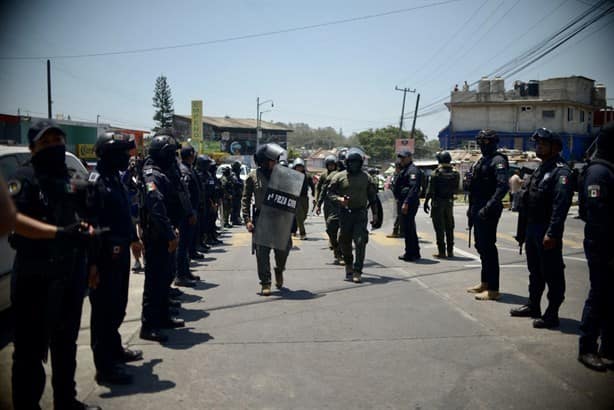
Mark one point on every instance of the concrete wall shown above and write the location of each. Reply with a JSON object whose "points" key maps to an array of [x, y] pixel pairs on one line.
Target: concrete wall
{"points": [[524, 117]]}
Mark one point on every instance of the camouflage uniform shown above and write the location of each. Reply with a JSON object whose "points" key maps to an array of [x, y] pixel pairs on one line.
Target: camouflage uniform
{"points": [[331, 211]]}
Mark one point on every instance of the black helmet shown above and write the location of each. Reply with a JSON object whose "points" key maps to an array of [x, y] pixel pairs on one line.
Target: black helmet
{"points": [[226, 171], [342, 154], [546, 135], [355, 154], [203, 162], [187, 151], [330, 159], [373, 171], [162, 148], [605, 140], [298, 162], [444, 157], [113, 142], [236, 166], [270, 151], [487, 134]]}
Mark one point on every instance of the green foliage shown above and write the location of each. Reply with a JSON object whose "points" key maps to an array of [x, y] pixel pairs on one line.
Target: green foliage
{"points": [[313, 138], [379, 143], [163, 103]]}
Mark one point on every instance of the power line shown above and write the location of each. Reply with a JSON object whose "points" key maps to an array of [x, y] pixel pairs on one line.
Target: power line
{"points": [[236, 38]]}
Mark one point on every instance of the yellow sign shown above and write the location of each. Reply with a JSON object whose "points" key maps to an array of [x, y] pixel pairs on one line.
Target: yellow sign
{"points": [[197, 120], [86, 151]]}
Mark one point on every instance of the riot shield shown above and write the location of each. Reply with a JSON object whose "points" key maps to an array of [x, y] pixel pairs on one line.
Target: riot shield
{"points": [[278, 208], [385, 206]]}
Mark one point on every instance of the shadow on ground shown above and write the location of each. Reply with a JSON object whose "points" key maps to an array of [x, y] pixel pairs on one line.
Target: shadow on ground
{"points": [[300, 294], [184, 338], [145, 381]]}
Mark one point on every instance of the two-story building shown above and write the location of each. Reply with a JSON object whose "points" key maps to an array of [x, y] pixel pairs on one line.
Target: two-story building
{"points": [[564, 105]]}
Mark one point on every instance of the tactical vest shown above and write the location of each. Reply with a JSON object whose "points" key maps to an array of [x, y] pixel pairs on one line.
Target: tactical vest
{"points": [[540, 192], [445, 183], [484, 179]]}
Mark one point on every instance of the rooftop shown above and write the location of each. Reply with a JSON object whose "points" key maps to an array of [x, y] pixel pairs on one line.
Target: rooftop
{"points": [[238, 123]]}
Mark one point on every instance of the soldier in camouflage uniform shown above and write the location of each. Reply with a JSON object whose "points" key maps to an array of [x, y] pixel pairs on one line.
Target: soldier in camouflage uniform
{"points": [[354, 191], [442, 186], [331, 209], [302, 210]]}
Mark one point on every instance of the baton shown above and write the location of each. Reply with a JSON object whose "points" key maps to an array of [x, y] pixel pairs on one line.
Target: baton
{"points": [[469, 238]]}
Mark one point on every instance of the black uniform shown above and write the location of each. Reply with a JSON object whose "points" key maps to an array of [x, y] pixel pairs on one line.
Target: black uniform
{"points": [[487, 188], [407, 191], [596, 205], [109, 206], [236, 197], [547, 200], [161, 216], [48, 286], [187, 231]]}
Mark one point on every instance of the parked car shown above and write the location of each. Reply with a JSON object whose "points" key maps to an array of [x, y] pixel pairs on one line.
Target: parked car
{"points": [[243, 174], [11, 158]]}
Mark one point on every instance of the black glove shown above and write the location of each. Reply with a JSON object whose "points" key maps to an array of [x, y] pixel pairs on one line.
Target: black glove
{"points": [[73, 232], [427, 208], [483, 213]]}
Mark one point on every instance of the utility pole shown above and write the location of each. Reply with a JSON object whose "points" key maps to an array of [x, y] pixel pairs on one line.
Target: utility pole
{"points": [[405, 91], [258, 131], [49, 89], [413, 126]]}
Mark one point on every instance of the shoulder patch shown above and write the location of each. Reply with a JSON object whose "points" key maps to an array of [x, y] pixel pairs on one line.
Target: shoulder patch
{"points": [[151, 186], [94, 177], [500, 165], [14, 186], [148, 171], [563, 179], [594, 191]]}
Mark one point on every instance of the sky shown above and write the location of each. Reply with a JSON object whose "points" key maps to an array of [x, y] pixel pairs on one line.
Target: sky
{"points": [[341, 75]]}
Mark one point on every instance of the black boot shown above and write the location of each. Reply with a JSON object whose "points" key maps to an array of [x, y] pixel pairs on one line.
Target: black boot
{"points": [[592, 361], [526, 311], [153, 334]]}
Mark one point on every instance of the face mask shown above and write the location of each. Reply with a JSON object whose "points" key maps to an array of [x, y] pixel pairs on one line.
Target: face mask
{"points": [[488, 149], [117, 162], [50, 161]]}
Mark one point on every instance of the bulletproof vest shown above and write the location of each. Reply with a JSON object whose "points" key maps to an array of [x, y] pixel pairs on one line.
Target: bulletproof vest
{"points": [[483, 177], [50, 200], [445, 180], [540, 192]]}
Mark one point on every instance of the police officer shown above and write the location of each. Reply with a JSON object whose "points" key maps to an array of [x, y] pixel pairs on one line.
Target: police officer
{"points": [[488, 186], [187, 226], [228, 184], [237, 192], [354, 191], [407, 194], [545, 203], [49, 276], [109, 205], [160, 236], [396, 227], [203, 162], [596, 205], [331, 208], [442, 187], [302, 208], [256, 184]]}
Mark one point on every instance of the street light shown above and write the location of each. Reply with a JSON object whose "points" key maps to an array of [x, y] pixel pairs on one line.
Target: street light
{"points": [[258, 117]]}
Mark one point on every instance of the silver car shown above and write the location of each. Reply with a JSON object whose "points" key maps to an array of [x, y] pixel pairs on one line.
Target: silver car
{"points": [[11, 158]]}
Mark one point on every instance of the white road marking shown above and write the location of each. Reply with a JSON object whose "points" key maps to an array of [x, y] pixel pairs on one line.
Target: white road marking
{"points": [[466, 254], [501, 266]]}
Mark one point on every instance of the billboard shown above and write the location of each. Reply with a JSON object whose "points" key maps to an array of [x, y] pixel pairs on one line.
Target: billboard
{"points": [[197, 124], [403, 144]]}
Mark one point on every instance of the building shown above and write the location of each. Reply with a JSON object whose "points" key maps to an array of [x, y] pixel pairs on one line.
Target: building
{"points": [[236, 136], [565, 105], [80, 136]]}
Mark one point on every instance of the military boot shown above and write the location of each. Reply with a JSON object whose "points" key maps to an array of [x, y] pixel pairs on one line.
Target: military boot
{"points": [[478, 288], [488, 295], [266, 290], [356, 277], [451, 252], [592, 361], [441, 254], [279, 278]]}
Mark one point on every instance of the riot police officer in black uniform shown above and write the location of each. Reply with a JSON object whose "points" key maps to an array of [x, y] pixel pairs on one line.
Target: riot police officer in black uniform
{"points": [[545, 202], [201, 166], [49, 276], [596, 205], [160, 236], [187, 226], [237, 192], [109, 206], [487, 188], [407, 194]]}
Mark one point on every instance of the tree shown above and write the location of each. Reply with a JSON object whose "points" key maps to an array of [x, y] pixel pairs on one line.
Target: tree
{"points": [[163, 103], [379, 143]]}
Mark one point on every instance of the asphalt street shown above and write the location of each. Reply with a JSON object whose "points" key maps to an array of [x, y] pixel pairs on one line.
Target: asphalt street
{"points": [[408, 337]]}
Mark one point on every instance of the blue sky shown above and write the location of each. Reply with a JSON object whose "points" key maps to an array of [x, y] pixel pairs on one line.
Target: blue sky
{"points": [[340, 75]]}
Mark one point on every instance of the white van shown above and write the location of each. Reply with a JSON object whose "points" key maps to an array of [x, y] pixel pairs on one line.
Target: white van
{"points": [[11, 158]]}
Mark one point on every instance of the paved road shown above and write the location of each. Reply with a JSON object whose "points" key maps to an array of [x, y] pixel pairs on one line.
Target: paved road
{"points": [[409, 337]]}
